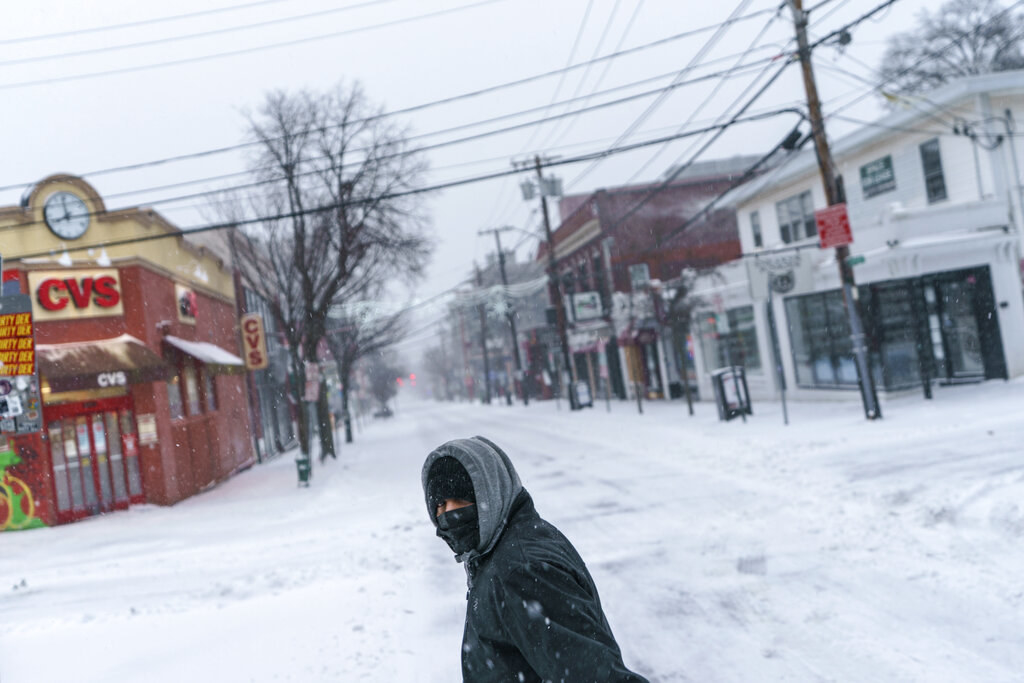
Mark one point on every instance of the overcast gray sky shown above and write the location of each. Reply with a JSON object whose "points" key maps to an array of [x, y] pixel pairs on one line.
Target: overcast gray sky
{"points": [[55, 120]]}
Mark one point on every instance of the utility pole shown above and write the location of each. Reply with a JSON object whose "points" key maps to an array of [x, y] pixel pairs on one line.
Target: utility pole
{"points": [[563, 336], [834, 195], [483, 340], [511, 314]]}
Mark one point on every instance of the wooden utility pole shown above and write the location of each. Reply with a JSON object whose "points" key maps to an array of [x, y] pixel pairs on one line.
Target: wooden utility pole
{"points": [[834, 195], [511, 314], [483, 340], [563, 336]]}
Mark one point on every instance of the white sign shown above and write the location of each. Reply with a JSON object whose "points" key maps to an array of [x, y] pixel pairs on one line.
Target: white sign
{"points": [[586, 306], [786, 273], [112, 379]]}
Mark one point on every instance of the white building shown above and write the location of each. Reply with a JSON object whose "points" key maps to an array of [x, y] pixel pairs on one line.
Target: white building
{"points": [[936, 216]]}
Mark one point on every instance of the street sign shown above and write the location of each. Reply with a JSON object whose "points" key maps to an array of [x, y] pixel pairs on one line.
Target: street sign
{"points": [[833, 226], [855, 260]]}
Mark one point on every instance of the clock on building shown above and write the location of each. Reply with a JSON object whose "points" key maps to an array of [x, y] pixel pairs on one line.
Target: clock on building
{"points": [[66, 215]]}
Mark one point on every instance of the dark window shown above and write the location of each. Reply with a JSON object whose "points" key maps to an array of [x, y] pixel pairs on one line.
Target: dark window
{"points": [[931, 162], [877, 177], [796, 218], [755, 227], [820, 334]]}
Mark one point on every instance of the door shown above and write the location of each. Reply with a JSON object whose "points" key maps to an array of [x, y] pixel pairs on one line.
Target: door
{"points": [[964, 326], [88, 457], [959, 325]]}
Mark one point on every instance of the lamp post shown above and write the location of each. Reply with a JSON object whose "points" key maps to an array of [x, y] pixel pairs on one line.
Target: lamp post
{"points": [[551, 187]]}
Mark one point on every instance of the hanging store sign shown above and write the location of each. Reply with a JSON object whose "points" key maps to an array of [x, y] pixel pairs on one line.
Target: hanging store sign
{"points": [[66, 294], [254, 341]]}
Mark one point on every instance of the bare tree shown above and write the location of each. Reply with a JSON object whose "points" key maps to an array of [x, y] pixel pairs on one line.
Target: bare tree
{"points": [[962, 38], [334, 216], [359, 331]]}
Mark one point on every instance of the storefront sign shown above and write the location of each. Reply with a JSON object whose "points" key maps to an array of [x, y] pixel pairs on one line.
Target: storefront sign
{"points": [[64, 294], [586, 306], [147, 429], [833, 226], [112, 379], [17, 340], [20, 405], [186, 301], [254, 341]]}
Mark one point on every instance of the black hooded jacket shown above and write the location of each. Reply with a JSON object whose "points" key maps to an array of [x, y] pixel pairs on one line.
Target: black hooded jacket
{"points": [[533, 612]]}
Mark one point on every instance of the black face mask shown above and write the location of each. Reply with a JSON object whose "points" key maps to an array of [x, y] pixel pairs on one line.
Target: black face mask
{"points": [[460, 529]]}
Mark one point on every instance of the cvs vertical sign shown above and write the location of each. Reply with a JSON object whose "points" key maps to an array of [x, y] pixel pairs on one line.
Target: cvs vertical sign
{"points": [[254, 341]]}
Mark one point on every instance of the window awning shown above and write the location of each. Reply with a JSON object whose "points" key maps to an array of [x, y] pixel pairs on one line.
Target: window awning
{"points": [[205, 352], [103, 363]]}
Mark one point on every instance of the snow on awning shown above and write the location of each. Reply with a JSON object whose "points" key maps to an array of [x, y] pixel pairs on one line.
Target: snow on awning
{"points": [[205, 352], [101, 363]]}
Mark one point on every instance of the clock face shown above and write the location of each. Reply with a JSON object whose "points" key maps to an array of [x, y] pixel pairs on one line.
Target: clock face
{"points": [[66, 215]]}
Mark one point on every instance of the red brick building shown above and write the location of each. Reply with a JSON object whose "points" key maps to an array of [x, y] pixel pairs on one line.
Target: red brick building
{"points": [[139, 382], [610, 245]]}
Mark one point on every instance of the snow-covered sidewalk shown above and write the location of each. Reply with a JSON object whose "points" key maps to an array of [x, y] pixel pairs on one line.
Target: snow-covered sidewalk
{"points": [[832, 549]]}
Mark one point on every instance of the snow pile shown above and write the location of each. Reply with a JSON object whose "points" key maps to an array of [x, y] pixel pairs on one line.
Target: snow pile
{"points": [[832, 549]]}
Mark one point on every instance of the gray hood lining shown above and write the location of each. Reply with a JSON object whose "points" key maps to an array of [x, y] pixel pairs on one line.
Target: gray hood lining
{"points": [[495, 483]]}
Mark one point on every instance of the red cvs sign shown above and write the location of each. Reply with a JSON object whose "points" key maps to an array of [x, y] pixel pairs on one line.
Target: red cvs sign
{"points": [[254, 341], [55, 294], [833, 226]]}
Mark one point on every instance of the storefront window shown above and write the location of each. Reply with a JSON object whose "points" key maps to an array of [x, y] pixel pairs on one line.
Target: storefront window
{"points": [[209, 391], [191, 387], [820, 334], [729, 338], [174, 397]]}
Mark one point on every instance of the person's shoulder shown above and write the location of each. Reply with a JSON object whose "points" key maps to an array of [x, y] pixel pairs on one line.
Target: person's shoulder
{"points": [[533, 542]]}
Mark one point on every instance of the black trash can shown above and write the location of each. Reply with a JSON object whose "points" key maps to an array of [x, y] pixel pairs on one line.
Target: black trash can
{"points": [[731, 395]]}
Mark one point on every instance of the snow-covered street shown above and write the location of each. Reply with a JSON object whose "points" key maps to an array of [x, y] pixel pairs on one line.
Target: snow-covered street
{"points": [[832, 549]]}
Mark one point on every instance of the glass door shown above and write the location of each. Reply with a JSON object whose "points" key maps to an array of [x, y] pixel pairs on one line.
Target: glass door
{"points": [[959, 325]]}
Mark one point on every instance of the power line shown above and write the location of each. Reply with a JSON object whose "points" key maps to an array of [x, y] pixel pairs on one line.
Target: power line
{"points": [[653, 106], [954, 41], [133, 24], [242, 51], [405, 110], [597, 84], [188, 36], [446, 143], [388, 196], [706, 100]]}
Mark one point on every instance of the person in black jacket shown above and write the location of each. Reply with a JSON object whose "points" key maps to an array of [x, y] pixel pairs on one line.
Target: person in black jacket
{"points": [[533, 612]]}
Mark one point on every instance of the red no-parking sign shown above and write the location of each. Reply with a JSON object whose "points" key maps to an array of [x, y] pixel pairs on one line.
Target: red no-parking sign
{"points": [[833, 226]]}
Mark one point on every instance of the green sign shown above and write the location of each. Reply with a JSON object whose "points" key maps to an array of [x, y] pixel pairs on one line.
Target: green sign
{"points": [[854, 260], [877, 177]]}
